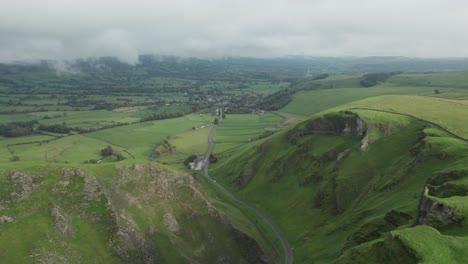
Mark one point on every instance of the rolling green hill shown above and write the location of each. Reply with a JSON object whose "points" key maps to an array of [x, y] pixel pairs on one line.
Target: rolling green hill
{"points": [[114, 214], [347, 186], [350, 174]]}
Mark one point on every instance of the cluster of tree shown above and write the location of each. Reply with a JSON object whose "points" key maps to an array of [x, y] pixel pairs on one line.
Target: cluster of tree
{"points": [[109, 151], [89, 130], [213, 158], [321, 76], [266, 133], [190, 159], [73, 101], [17, 129], [276, 101], [372, 79], [166, 115], [56, 128]]}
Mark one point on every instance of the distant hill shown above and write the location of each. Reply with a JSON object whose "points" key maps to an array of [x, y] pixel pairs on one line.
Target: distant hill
{"points": [[235, 68]]}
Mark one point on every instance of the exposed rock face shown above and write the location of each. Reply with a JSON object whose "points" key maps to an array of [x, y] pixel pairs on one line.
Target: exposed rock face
{"points": [[436, 214], [70, 172], [23, 185], [343, 154], [171, 223], [131, 248], [5, 219], [91, 188], [365, 142], [62, 220], [343, 123]]}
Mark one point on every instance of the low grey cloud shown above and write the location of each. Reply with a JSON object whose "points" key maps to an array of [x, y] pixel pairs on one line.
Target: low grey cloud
{"points": [[67, 29]]}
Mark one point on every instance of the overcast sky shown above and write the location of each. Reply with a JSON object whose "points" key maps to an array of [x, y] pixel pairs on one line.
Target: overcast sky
{"points": [[66, 29]]}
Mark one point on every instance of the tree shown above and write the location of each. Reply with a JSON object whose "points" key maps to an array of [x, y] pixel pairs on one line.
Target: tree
{"points": [[190, 159], [216, 121], [436, 91], [107, 151], [119, 156], [213, 158]]}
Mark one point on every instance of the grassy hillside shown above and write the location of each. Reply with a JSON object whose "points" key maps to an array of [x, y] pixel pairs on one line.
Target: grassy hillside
{"points": [[345, 187], [318, 95], [450, 114], [113, 214]]}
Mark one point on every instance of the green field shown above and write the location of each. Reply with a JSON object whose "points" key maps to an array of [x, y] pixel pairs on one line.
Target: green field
{"points": [[344, 170], [342, 89], [450, 114], [238, 130], [183, 145], [135, 141]]}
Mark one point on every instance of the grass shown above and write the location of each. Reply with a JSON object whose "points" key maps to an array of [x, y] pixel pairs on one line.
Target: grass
{"points": [[141, 139], [136, 141], [315, 101], [247, 221], [238, 130], [364, 187], [433, 247], [138, 206], [185, 144], [328, 207], [319, 95], [446, 79], [449, 114]]}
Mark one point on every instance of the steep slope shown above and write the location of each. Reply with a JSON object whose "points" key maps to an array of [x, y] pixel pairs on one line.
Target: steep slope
{"points": [[344, 185], [114, 214]]}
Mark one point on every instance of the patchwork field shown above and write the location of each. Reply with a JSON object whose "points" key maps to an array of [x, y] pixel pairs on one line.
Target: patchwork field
{"points": [[238, 130]]}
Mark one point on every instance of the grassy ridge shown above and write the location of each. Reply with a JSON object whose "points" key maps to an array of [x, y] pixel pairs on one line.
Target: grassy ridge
{"points": [[112, 214], [449, 114], [238, 130], [327, 205], [319, 95]]}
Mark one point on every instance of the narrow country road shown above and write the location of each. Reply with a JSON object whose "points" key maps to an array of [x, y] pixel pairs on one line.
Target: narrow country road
{"points": [[287, 248]]}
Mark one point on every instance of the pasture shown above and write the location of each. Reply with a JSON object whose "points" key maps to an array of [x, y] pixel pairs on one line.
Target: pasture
{"points": [[238, 130]]}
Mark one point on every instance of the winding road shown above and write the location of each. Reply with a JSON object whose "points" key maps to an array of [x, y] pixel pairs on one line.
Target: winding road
{"points": [[287, 248]]}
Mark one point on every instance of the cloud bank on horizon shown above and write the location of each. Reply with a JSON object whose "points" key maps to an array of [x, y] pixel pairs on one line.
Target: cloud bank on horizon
{"points": [[68, 29]]}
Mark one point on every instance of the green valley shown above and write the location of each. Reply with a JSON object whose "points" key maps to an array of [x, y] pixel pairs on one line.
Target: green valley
{"points": [[117, 166]]}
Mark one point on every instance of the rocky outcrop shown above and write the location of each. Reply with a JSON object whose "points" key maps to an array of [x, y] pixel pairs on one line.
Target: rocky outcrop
{"points": [[343, 154], [350, 124], [436, 214], [4, 219], [341, 123], [132, 248], [170, 222], [91, 188], [365, 142], [62, 220], [23, 185]]}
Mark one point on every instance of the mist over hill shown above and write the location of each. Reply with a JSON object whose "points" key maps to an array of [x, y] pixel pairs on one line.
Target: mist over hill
{"points": [[292, 67]]}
